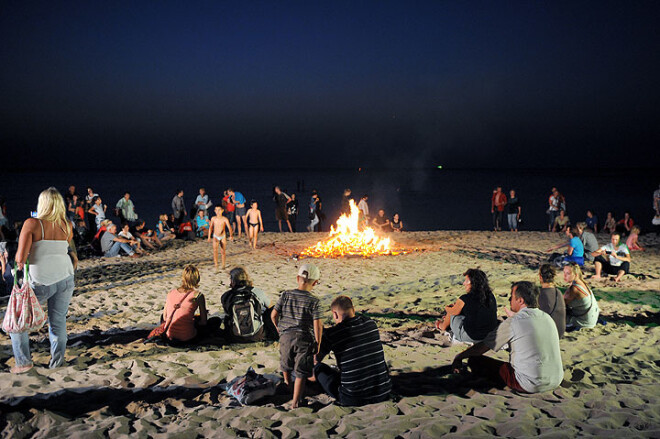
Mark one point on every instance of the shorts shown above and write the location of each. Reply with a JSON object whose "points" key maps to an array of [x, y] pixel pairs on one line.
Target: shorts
{"points": [[280, 214], [241, 211], [612, 269], [297, 351]]}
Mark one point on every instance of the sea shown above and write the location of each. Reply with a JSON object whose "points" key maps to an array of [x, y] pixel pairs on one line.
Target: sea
{"points": [[426, 199]]}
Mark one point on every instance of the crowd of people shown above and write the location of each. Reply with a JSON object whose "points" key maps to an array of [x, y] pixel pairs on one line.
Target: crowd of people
{"points": [[531, 328]]}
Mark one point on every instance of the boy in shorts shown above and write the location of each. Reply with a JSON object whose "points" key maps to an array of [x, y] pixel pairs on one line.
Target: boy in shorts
{"points": [[297, 318], [218, 236]]}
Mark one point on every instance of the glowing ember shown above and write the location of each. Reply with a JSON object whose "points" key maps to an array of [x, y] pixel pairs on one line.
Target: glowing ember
{"points": [[348, 240]]}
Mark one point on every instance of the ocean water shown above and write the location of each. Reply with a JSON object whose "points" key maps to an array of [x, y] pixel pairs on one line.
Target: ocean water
{"points": [[426, 199]]}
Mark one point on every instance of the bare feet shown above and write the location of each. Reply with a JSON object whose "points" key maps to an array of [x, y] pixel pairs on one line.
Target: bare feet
{"points": [[21, 369]]}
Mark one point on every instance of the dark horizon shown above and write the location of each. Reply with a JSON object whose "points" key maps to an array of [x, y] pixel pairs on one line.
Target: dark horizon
{"points": [[520, 85]]}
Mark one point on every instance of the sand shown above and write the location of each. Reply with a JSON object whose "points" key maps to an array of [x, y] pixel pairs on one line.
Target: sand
{"points": [[114, 385]]}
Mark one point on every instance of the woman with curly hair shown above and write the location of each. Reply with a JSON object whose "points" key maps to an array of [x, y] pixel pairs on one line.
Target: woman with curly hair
{"points": [[474, 314]]}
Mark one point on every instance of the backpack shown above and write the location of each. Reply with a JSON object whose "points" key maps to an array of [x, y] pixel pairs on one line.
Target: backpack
{"points": [[242, 309]]}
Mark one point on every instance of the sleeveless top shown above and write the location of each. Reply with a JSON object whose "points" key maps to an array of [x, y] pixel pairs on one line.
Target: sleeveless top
{"points": [[584, 311], [182, 327], [49, 260]]}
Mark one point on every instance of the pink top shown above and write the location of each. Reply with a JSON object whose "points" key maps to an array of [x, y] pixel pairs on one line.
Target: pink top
{"points": [[632, 242], [182, 327]]}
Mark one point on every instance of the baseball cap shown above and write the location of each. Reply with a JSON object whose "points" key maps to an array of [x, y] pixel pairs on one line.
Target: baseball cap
{"points": [[309, 272]]}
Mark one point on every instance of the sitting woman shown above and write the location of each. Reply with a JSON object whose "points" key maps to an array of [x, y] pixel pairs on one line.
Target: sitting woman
{"points": [[632, 241], [397, 224], [581, 305], [610, 223], [163, 229], [561, 222], [182, 324], [202, 223], [575, 246], [474, 314], [243, 295]]}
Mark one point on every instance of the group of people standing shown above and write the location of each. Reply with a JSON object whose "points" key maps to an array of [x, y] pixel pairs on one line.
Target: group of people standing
{"points": [[499, 204]]}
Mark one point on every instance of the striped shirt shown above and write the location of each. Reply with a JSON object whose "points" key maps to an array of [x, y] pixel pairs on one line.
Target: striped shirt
{"points": [[297, 309], [360, 358]]}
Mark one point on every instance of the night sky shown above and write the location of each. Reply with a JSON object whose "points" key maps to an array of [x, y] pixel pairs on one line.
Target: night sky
{"points": [[329, 84]]}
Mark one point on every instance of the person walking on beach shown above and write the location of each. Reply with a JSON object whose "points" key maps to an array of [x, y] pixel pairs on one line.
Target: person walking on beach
{"points": [[297, 317], [553, 208], [313, 215], [514, 211], [239, 201], [292, 211], [48, 241], [363, 206], [178, 207], [218, 235], [280, 208], [498, 201], [535, 359], [255, 223], [363, 376]]}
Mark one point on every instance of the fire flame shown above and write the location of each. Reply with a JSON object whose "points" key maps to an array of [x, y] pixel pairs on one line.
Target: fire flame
{"points": [[348, 240]]}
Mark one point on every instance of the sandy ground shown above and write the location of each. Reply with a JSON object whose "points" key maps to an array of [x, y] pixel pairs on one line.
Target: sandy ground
{"points": [[114, 385]]}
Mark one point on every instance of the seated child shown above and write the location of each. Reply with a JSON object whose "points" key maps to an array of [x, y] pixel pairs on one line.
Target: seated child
{"points": [[632, 242], [202, 223]]}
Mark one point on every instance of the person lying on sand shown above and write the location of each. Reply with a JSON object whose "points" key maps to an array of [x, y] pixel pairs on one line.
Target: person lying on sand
{"points": [[535, 360], [359, 352]]}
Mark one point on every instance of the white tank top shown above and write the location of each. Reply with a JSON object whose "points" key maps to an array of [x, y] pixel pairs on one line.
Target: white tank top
{"points": [[49, 260]]}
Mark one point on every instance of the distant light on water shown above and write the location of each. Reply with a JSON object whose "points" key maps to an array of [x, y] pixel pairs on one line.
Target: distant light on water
{"points": [[439, 166]]}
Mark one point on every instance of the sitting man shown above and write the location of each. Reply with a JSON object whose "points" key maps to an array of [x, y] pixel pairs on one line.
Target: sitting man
{"points": [[363, 377], [111, 244], [588, 240], [532, 337], [618, 261]]}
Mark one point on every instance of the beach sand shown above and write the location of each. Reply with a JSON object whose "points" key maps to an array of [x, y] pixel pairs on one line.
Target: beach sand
{"points": [[114, 385]]}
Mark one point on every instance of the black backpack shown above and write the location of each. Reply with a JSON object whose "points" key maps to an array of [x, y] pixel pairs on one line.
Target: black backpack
{"points": [[244, 312]]}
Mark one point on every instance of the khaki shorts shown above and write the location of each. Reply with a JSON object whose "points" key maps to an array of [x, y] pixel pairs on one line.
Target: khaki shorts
{"points": [[297, 351]]}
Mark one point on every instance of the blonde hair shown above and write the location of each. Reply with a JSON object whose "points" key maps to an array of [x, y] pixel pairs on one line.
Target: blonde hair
{"points": [[50, 207], [189, 278], [577, 272], [635, 229], [163, 217]]}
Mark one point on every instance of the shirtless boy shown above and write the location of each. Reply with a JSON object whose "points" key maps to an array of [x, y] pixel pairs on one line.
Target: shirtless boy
{"points": [[218, 236], [254, 223]]}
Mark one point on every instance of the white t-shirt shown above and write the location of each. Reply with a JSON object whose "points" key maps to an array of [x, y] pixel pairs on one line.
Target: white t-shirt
{"points": [[364, 207], [535, 355], [622, 250]]}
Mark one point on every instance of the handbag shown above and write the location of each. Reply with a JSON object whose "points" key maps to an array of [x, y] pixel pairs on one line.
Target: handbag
{"points": [[24, 313], [160, 330]]}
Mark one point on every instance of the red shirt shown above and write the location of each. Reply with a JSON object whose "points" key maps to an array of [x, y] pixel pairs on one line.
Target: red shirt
{"points": [[499, 201], [229, 207]]}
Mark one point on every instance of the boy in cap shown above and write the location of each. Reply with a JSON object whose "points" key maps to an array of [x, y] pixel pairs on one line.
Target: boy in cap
{"points": [[297, 318]]}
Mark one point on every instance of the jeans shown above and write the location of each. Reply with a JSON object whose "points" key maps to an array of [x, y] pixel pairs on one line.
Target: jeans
{"points": [[313, 224], [116, 247], [497, 219], [330, 380], [513, 221], [552, 215], [57, 297]]}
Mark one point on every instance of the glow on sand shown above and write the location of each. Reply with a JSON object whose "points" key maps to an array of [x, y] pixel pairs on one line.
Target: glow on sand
{"points": [[349, 240]]}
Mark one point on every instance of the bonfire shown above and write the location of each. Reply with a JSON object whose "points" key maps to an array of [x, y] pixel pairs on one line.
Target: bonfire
{"points": [[348, 239]]}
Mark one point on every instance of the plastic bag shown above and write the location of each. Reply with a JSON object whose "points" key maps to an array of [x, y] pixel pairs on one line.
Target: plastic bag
{"points": [[24, 313], [252, 387]]}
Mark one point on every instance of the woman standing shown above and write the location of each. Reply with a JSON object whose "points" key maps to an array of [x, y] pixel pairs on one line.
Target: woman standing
{"points": [[48, 241], [474, 314], [581, 305]]}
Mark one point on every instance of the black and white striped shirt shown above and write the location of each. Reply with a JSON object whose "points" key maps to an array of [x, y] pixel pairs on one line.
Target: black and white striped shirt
{"points": [[359, 352]]}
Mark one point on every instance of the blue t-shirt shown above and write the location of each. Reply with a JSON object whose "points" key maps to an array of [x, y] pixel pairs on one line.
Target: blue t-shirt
{"points": [[239, 198], [578, 247], [591, 222]]}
